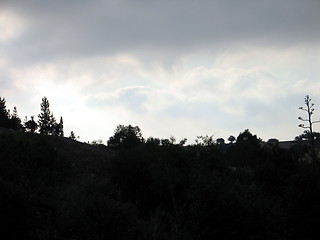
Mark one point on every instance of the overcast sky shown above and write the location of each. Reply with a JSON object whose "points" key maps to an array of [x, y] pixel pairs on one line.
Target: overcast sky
{"points": [[173, 67]]}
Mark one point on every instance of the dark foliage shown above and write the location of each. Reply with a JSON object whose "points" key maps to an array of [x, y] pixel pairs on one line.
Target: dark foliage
{"points": [[7, 120], [72, 136], [30, 125], [4, 114], [51, 188], [303, 197], [47, 122], [31, 171], [125, 137]]}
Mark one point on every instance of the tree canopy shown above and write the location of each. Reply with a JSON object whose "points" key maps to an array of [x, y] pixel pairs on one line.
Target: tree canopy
{"points": [[125, 137], [54, 188], [8, 120], [47, 122]]}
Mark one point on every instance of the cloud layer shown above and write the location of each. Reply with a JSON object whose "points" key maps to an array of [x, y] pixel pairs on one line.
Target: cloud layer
{"points": [[63, 29], [172, 67]]}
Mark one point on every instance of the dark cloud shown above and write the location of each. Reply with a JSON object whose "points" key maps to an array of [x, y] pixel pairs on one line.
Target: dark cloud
{"points": [[68, 29]]}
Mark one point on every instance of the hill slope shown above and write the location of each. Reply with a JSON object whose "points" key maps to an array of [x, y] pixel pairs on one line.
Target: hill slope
{"points": [[57, 188], [49, 185], [83, 158]]}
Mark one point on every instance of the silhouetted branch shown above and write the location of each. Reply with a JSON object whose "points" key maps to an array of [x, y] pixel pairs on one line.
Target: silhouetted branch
{"points": [[309, 109]]}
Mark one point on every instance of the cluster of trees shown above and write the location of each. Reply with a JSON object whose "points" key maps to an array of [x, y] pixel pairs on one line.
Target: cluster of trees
{"points": [[157, 188], [8, 120], [240, 190], [46, 124], [131, 136]]}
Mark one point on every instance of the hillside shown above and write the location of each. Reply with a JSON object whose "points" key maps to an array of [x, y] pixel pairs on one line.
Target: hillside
{"points": [[43, 179], [85, 159], [56, 188]]}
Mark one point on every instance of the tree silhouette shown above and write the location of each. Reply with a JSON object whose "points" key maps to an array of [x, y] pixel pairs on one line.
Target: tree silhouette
{"points": [[306, 135], [47, 122], [72, 136], [246, 148], [15, 121], [220, 141], [125, 137], [53, 125], [8, 120], [309, 109], [231, 139], [60, 128], [205, 140], [4, 114], [31, 125]]}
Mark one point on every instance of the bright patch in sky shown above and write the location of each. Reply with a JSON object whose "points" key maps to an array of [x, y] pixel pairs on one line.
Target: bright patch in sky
{"points": [[10, 25]]}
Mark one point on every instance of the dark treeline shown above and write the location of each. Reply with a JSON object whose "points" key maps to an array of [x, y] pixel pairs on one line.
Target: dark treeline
{"points": [[157, 188], [46, 124]]}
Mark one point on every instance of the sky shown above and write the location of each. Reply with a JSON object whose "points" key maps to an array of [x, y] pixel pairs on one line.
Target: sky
{"points": [[181, 68]]}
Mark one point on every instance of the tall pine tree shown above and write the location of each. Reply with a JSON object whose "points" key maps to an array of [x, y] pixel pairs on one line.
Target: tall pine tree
{"points": [[46, 120], [57, 127], [60, 128]]}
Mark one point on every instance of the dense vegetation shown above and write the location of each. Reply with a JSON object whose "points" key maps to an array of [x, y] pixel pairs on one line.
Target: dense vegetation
{"points": [[46, 125], [57, 188]]}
